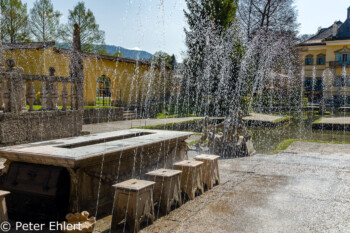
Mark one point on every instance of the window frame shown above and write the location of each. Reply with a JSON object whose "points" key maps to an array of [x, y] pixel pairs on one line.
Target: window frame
{"points": [[323, 57], [309, 60]]}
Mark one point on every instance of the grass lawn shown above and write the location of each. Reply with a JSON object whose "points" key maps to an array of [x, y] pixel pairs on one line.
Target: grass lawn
{"points": [[38, 107], [164, 115], [286, 143], [103, 101]]}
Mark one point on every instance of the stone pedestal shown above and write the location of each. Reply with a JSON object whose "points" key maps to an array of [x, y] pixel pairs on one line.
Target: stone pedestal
{"points": [[210, 173], [133, 203], [167, 189], [3, 208], [191, 179]]}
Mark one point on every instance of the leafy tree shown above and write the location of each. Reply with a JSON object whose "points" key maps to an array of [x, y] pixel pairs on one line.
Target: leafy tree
{"points": [[44, 21], [14, 21], [90, 34], [162, 58], [173, 62], [214, 49], [103, 51], [118, 54], [223, 12]]}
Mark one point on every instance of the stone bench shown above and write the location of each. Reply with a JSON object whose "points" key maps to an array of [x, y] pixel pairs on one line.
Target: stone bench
{"points": [[133, 203], [210, 169], [191, 179], [167, 189]]}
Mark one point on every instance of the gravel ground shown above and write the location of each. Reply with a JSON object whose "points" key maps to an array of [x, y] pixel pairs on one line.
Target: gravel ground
{"points": [[270, 193], [299, 192]]}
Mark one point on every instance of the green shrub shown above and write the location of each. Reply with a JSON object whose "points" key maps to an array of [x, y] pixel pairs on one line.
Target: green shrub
{"points": [[305, 102], [246, 104]]}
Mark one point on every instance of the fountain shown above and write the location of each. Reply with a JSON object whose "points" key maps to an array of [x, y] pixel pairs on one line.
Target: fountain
{"points": [[47, 179], [229, 138], [66, 172]]}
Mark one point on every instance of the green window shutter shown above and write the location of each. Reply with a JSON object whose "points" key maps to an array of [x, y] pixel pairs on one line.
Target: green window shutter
{"points": [[338, 57]]}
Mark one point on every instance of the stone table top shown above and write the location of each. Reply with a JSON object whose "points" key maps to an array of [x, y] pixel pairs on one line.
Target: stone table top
{"points": [[334, 120], [207, 157], [134, 184], [164, 172], [188, 163], [262, 117], [4, 193], [69, 152]]}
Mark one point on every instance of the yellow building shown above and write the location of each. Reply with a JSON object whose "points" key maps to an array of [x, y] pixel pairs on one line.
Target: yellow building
{"points": [[326, 59], [119, 80]]}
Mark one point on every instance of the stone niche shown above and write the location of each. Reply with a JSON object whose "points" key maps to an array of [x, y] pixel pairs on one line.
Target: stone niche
{"points": [[96, 162]]}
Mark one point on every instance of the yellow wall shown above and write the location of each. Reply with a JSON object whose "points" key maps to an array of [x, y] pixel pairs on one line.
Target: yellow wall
{"points": [[325, 70], [130, 82]]}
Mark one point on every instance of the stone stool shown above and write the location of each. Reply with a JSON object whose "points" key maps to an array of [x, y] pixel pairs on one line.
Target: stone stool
{"points": [[134, 203], [167, 190], [191, 179], [210, 169], [3, 208]]}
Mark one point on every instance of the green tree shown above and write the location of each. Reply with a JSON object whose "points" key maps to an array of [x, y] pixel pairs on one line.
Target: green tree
{"points": [[90, 33], [211, 67], [223, 12], [173, 62], [118, 54], [103, 51], [44, 21], [162, 59], [14, 21]]}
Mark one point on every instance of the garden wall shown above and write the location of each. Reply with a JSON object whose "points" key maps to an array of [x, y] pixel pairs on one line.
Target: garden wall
{"points": [[100, 115], [39, 125]]}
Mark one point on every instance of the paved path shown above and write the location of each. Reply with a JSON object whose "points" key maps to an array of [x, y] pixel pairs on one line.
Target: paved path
{"points": [[127, 124], [318, 148], [120, 125], [270, 193]]}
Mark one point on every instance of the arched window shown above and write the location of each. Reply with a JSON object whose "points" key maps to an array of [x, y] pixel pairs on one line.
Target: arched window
{"points": [[103, 90], [321, 59], [309, 60]]}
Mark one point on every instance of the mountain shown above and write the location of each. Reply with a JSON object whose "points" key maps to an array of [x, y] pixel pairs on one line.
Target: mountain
{"points": [[111, 49], [129, 53]]}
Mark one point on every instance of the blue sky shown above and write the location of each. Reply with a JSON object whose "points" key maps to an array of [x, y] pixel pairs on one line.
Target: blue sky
{"points": [[154, 25]]}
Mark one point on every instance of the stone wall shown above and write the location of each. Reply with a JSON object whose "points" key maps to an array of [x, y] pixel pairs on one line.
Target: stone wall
{"points": [[100, 115], [18, 125], [39, 125]]}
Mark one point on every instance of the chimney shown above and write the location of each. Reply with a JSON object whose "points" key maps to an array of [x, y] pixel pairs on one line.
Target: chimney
{"points": [[335, 29], [349, 13]]}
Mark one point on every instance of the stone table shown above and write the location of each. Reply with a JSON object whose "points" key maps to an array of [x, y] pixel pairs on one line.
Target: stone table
{"points": [[96, 162]]}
